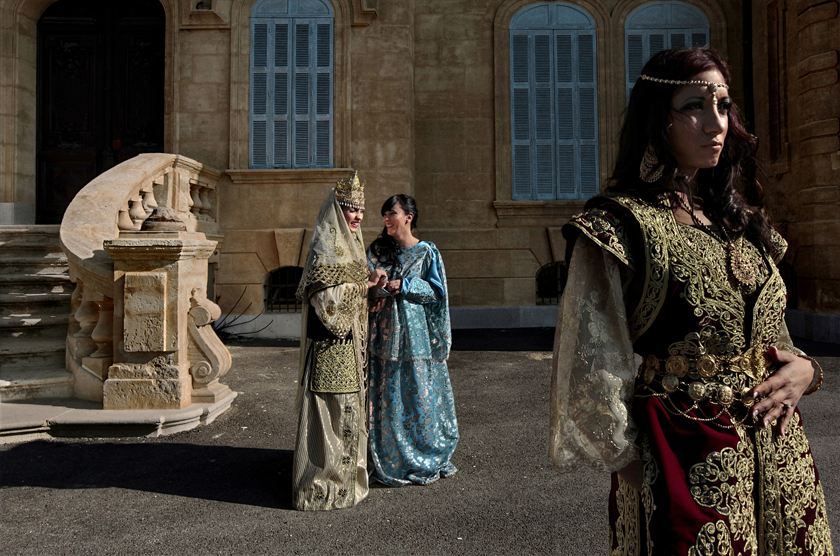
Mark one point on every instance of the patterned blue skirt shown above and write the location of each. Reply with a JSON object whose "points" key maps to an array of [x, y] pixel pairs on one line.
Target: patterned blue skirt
{"points": [[414, 430]]}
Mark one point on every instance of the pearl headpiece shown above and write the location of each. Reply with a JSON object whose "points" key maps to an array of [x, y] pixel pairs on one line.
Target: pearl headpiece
{"points": [[713, 87], [350, 192]]}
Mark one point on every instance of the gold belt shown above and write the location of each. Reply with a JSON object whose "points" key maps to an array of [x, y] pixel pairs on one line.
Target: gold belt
{"points": [[753, 363]]}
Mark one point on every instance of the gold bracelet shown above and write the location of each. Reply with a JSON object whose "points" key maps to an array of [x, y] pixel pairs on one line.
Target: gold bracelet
{"points": [[818, 370]]}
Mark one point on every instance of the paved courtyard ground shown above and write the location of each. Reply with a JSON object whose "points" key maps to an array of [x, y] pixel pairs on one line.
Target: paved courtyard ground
{"points": [[225, 488]]}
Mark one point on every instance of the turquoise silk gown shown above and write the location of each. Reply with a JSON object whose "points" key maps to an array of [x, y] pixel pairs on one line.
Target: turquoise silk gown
{"points": [[414, 430]]}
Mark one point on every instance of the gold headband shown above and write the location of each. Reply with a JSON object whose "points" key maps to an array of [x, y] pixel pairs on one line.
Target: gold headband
{"points": [[350, 192]]}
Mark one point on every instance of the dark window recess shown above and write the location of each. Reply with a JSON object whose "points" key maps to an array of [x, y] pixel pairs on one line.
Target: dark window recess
{"points": [[551, 280], [280, 290]]}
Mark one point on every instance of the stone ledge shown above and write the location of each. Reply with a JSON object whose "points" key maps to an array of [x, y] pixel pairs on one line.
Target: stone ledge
{"points": [[818, 327], [286, 326], [69, 417]]}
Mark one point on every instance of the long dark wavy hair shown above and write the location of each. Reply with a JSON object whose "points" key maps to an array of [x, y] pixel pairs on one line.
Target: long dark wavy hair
{"points": [[728, 192], [385, 248]]}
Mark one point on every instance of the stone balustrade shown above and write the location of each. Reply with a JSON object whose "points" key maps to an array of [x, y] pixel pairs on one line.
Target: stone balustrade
{"points": [[138, 240]]}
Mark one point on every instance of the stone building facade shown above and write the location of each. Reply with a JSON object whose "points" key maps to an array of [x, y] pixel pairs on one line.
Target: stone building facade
{"points": [[422, 99]]}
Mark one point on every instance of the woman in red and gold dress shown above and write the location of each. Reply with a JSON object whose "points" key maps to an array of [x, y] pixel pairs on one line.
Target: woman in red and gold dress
{"points": [[673, 367]]}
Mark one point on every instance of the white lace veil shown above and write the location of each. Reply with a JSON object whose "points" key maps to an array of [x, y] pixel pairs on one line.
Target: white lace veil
{"points": [[336, 255]]}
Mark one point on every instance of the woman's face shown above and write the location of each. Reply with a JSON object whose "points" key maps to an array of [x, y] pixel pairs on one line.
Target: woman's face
{"points": [[354, 217], [698, 123], [396, 219]]}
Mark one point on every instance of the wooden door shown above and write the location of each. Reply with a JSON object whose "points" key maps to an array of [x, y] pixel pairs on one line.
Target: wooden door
{"points": [[100, 93]]}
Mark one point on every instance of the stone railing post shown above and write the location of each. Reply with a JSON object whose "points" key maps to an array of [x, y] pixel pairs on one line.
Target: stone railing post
{"points": [[159, 274]]}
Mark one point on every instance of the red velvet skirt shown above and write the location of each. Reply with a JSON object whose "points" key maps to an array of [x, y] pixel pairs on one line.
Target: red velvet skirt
{"points": [[714, 486]]}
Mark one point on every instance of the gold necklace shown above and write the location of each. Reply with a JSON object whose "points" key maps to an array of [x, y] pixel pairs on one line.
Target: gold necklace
{"points": [[739, 265]]}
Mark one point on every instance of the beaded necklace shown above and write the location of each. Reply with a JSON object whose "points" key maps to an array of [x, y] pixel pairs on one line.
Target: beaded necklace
{"points": [[739, 265]]}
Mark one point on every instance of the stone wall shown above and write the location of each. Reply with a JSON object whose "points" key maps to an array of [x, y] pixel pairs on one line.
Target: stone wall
{"points": [[797, 57], [421, 106]]}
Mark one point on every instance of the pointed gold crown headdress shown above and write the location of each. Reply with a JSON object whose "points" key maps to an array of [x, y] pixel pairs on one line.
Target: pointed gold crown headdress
{"points": [[350, 192]]}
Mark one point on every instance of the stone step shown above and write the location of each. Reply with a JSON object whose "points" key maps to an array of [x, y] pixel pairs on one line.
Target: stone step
{"points": [[28, 354], [50, 263], [35, 309], [34, 326], [29, 239], [48, 382], [35, 300], [34, 233], [35, 283]]}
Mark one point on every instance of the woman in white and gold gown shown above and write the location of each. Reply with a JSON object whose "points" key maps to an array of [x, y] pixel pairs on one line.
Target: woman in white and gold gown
{"points": [[330, 462]]}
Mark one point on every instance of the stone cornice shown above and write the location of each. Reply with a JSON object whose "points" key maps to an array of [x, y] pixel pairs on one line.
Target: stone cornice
{"points": [[303, 175]]}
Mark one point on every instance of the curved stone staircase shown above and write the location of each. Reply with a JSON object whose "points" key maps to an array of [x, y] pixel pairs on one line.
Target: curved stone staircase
{"points": [[35, 292]]}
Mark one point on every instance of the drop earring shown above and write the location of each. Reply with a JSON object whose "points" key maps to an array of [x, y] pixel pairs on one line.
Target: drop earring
{"points": [[650, 170]]}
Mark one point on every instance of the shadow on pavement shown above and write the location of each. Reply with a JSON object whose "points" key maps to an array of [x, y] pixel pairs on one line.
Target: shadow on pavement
{"points": [[256, 477]]}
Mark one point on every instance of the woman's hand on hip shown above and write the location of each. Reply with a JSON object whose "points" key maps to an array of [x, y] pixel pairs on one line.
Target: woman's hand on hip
{"points": [[778, 395]]}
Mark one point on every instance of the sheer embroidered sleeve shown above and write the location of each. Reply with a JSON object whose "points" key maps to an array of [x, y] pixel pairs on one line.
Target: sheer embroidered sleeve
{"points": [[338, 306], [594, 367]]}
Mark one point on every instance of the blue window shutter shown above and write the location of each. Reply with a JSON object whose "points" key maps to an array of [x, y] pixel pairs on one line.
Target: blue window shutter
{"points": [[303, 74], [542, 59], [565, 109], [280, 130], [586, 58], [281, 45], [519, 58], [260, 47], [258, 144], [655, 26], [541, 101], [588, 171], [521, 115], [564, 58], [566, 171], [323, 96], [657, 44], [292, 87], [586, 114], [522, 171], [677, 40], [259, 96], [553, 102]]}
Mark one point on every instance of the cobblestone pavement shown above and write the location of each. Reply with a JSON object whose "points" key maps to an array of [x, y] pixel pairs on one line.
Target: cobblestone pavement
{"points": [[225, 488]]}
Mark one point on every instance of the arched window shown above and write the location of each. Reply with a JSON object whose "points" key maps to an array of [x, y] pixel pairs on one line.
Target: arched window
{"points": [[554, 103], [657, 26], [291, 116], [551, 281], [280, 288]]}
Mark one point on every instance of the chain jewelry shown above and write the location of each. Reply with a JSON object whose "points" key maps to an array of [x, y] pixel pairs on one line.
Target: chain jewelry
{"points": [[739, 265], [713, 87]]}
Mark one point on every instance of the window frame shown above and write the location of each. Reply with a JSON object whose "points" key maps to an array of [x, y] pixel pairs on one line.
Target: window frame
{"points": [[320, 126], [539, 181], [639, 24]]}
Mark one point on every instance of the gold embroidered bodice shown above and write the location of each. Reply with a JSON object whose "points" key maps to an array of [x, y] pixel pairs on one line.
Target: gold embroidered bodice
{"points": [[683, 299]]}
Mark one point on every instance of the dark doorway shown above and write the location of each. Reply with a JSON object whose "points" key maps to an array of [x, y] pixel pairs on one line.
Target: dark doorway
{"points": [[100, 93]]}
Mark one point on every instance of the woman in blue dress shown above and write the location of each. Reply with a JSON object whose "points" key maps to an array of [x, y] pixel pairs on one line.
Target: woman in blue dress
{"points": [[414, 430]]}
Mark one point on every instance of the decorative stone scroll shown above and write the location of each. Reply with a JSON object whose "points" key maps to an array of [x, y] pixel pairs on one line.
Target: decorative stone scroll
{"points": [[209, 357]]}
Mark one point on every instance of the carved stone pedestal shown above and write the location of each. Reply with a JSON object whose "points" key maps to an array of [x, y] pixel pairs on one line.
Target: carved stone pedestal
{"points": [[160, 345]]}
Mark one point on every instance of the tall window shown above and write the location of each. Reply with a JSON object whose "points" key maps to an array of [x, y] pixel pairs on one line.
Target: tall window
{"points": [[657, 26], [554, 103], [291, 116]]}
